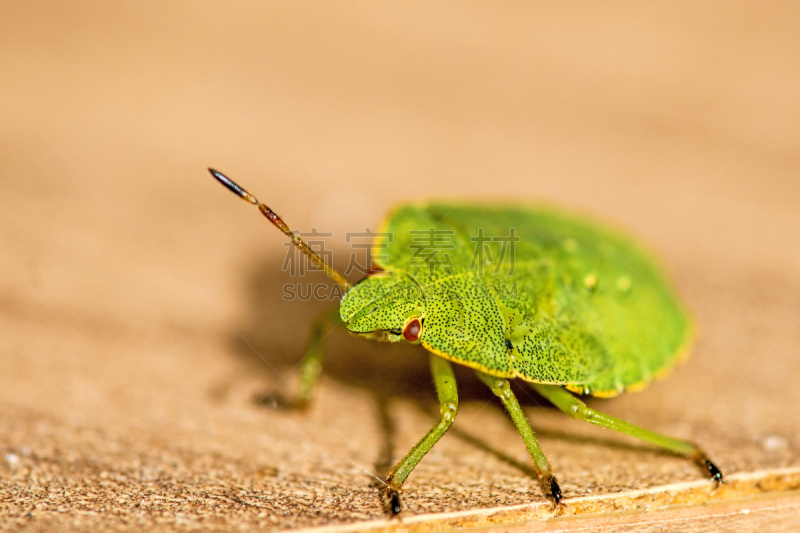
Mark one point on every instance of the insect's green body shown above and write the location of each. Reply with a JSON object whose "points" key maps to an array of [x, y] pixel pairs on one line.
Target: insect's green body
{"points": [[569, 305], [579, 305]]}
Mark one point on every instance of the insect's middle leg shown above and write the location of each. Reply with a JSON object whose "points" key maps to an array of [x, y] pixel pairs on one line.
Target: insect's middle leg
{"points": [[575, 408], [502, 389], [445, 383]]}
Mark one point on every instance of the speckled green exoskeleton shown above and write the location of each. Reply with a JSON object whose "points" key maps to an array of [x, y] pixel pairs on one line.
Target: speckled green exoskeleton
{"points": [[564, 305]]}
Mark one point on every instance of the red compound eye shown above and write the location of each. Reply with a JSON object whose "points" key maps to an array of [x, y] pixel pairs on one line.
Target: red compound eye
{"points": [[412, 330]]}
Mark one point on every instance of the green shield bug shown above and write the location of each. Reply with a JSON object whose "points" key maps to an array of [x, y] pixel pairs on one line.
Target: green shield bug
{"points": [[511, 292]]}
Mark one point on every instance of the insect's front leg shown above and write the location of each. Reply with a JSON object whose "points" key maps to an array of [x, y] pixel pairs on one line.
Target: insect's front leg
{"points": [[445, 383], [575, 408], [310, 366]]}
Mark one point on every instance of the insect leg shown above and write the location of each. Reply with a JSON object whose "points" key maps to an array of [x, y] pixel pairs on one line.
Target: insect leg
{"points": [[311, 365], [575, 408], [502, 389], [445, 383]]}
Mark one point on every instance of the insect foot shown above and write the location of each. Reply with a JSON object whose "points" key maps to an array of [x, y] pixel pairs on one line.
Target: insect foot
{"points": [[550, 486], [392, 501], [704, 462]]}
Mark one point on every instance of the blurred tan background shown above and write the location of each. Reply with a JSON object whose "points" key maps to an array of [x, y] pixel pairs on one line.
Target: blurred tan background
{"points": [[140, 303]]}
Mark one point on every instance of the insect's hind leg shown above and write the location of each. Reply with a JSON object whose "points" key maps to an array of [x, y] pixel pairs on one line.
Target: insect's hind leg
{"points": [[502, 389], [445, 383], [574, 407]]}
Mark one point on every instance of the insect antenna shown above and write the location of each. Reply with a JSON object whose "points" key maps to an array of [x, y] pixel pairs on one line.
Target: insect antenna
{"points": [[273, 217]]}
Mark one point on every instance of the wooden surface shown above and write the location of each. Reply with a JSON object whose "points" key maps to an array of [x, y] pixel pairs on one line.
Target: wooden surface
{"points": [[744, 502], [140, 304]]}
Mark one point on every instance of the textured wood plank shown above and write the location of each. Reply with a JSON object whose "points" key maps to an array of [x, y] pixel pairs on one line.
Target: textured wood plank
{"points": [[771, 495]]}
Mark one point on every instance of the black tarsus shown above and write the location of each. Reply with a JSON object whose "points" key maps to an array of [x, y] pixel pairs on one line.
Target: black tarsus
{"points": [[393, 499], [716, 473], [555, 490]]}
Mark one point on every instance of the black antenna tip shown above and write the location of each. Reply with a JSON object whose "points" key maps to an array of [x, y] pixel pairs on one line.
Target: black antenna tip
{"points": [[233, 186]]}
